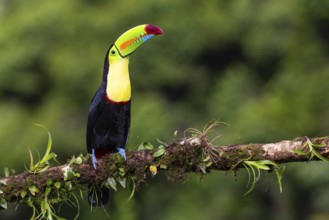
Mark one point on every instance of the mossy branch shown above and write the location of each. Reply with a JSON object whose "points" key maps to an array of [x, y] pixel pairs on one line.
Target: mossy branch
{"points": [[195, 154]]}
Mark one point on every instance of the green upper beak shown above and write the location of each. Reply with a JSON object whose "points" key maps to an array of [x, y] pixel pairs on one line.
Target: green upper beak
{"points": [[129, 41]]}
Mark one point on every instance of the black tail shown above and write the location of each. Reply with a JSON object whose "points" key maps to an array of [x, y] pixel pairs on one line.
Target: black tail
{"points": [[98, 196]]}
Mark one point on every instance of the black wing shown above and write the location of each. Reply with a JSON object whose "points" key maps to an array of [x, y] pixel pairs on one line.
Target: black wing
{"points": [[95, 111], [108, 124]]}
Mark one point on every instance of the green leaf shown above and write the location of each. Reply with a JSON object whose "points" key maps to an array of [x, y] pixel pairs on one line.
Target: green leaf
{"points": [[78, 160], [262, 166], [268, 162], [161, 142], [48, 190], [314, 152], [206, 159], [159, 152], [68, 185], [253, 174], [148, 146], [44, 207], [3, 203], [300, 152], [58, 185], [113, 184], [258, 165], [279, 173], [33, 190], [122, 182], [254, 166], [209, 164], [277, 170], [145, 146], [6, 171], [49, 182], [23, 194], [318, 145], [43, 164], [48, 148], [69, 175], [132, 193], [122, 171], [203, 167], [249, 174], [2, 182], [40, 169], [318, 155], [31, 159]]}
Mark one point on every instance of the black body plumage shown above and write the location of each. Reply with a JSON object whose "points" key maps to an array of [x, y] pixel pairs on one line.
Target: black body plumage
{"points": [[108, 124], [107, 130]]}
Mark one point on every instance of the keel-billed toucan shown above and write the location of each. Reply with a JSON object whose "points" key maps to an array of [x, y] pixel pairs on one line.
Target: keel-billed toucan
{"points": [[109, 113]]}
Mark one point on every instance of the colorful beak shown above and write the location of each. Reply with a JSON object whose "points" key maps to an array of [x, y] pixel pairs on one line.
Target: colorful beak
{"points": [[129, 41]]}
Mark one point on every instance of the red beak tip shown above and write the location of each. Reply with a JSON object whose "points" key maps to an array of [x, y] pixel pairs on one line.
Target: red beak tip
{"points": [[151, 29]]}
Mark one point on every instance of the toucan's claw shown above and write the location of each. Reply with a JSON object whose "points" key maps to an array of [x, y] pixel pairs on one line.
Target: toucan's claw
{"points": [[122, 152], [94, 159]]}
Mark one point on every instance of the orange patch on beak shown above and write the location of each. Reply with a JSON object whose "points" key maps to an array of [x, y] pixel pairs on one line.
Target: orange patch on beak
{"points": [[126, 44]]}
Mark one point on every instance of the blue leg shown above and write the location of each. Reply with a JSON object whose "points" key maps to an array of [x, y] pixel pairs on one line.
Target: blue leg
{"points": [[93, 158], [122, 152]]}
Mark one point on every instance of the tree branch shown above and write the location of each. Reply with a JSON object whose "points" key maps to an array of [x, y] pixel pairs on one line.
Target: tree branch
{"points": [[195, 154]]}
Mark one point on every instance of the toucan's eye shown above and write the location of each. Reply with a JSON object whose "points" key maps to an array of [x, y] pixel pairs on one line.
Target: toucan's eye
{"points": [[113, 52]]}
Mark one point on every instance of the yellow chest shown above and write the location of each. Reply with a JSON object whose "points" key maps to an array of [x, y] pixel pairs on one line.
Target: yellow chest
{"points": [[118, 87]]}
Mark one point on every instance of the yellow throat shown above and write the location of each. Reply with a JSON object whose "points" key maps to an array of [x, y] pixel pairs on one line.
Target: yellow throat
{"points": [[118, 88]]}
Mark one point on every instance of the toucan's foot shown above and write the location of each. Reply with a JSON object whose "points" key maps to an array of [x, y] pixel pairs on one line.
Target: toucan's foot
{"points": [[122, 152], [93, 158]]}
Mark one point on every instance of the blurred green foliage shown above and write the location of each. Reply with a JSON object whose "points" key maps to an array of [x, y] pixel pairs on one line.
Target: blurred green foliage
{"points": [[260, 66]]}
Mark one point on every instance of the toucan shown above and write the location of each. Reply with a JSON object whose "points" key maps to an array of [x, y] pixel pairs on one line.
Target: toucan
{"points": [[109, 114]]}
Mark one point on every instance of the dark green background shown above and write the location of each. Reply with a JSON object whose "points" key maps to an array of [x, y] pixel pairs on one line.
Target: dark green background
{"points": [[260, 66]]}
